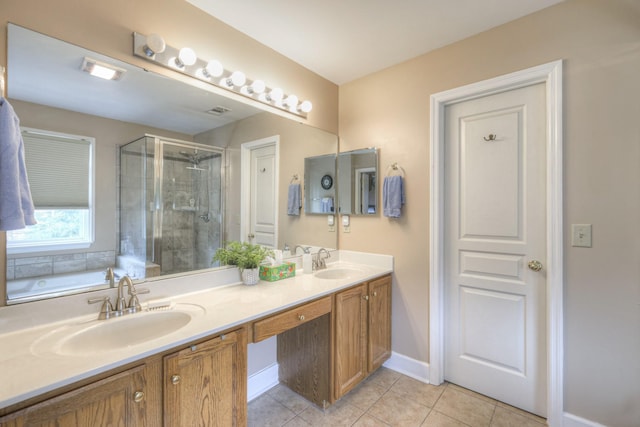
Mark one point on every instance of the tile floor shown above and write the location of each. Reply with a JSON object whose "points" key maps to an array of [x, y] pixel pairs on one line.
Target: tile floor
{"points": [[388, 398]]}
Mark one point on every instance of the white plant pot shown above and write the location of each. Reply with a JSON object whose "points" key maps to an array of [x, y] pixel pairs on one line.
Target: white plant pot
{"points": [[250, 276]]}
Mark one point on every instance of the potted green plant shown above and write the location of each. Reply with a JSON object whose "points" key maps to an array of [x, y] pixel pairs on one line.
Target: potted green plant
{"points": [[246, 256]]}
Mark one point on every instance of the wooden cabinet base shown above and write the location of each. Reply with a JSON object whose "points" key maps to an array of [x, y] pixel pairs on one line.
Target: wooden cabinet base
{"points": [[304, 360], [119, 400]]}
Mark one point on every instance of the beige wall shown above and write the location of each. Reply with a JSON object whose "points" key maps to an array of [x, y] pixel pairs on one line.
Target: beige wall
{"points": [[599, 41]]}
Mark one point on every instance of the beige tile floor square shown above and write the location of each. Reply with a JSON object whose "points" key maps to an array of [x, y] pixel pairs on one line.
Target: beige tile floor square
{"points": [[388, 398]]}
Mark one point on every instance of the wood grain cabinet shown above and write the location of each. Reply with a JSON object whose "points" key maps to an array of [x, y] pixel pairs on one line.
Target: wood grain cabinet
{"points": [[202, 384], [205, 384], [119, 400], [362, 316]]}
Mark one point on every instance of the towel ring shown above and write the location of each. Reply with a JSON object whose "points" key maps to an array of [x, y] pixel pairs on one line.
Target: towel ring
{"points": [[394, 167]]}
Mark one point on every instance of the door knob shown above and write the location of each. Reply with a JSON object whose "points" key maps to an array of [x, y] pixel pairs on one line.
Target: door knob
{"points": [[535, 265], [175, 379], [138, 396]]}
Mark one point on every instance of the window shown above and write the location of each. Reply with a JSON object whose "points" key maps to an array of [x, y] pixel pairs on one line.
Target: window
{"points": [[60, 171]]}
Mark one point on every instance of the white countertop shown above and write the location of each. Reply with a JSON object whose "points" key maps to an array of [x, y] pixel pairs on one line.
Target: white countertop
{"points": [[30, 367]]}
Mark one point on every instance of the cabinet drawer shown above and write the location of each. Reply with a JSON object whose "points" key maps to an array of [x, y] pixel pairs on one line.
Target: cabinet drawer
{"points": [[289, 319]]}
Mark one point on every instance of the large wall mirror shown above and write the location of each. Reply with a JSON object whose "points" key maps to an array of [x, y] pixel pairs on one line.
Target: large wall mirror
{"points": [[319, 185], [358, 182], [168, 164]]}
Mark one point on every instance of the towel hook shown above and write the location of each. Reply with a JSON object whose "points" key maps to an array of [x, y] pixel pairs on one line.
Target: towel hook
{"points": [[395, 167], [492, 137], [293, 178]]}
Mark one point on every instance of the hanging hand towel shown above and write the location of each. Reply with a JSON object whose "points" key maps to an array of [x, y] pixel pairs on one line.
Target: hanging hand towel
{"points": [[16, 205], [393, 196], [327, 204], [294, 199]]}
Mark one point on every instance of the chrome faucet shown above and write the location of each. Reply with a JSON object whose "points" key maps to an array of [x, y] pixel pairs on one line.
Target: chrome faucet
{"points": [[305, 250], [108, 311], [121, 304], [320, 263], [134, 305]]}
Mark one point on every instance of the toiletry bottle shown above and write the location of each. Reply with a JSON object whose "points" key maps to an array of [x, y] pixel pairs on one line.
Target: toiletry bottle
{"points": [[307, 263]]}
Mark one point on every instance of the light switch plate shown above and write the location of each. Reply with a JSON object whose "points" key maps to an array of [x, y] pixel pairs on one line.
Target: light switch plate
{"points": [[581, 235]]}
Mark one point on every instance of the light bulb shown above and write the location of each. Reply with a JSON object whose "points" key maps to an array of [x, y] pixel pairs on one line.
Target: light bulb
{"points": [[306, 106], [257, 86], [155, 44], [291, 101], [238, 78], [186, 57], [276, 95], [213, 69]]}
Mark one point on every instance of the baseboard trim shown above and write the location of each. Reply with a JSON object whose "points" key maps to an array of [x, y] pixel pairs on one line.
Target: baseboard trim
{"points": [[571, 420], [262, 381], [410, 367]]}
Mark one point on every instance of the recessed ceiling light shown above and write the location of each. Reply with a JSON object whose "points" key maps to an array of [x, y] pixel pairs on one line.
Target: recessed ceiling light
{"points": [[101, 69]]}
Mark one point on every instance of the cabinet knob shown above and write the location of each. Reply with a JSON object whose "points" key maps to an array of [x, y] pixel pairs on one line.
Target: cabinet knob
{"points": [[138, 396], [375, 294], [365, 297], [175, 379], [301, 317]]}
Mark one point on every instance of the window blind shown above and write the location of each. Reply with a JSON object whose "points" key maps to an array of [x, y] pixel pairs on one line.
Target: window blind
{"points": [[59, 170]]}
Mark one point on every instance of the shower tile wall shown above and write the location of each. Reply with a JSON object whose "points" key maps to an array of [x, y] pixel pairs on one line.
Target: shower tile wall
{"points": [[191, 211], [135, 167]]}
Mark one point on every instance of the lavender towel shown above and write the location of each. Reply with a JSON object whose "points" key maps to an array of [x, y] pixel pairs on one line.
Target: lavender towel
{"points": [[16, 206], [294, 199], [393, 196]]}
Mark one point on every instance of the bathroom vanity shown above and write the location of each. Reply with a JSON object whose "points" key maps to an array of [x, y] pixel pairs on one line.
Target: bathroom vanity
{"points": [[332, 333]]}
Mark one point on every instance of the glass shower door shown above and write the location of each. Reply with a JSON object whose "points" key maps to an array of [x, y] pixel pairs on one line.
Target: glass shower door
{"points": [[190, 190]]}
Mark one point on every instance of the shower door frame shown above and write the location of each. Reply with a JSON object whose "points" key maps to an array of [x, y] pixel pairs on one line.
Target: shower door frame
{"points": [[158, 169]]}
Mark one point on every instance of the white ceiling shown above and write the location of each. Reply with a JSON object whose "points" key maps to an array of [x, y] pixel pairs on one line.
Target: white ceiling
{"points": [[342, 40]]}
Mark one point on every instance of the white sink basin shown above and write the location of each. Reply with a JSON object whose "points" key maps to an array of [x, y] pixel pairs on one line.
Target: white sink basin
{"points": [[338, 273], [99, 336]]}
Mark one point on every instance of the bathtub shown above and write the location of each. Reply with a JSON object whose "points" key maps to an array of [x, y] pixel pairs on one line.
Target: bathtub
{"points": [[22, 290]]}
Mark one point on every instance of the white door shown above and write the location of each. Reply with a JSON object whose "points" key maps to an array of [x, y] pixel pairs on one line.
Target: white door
{"points": [[495, 227], [263, 197]]}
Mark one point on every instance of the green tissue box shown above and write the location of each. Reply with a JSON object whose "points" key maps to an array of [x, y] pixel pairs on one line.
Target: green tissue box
{"points": [[277, 272]]}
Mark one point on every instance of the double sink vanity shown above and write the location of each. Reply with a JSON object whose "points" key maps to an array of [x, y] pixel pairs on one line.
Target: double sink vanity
{"points": [[182, 360]]}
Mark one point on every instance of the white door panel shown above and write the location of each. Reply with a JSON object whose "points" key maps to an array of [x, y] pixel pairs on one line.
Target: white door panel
{"points": [[495, 224], [263, 196]]}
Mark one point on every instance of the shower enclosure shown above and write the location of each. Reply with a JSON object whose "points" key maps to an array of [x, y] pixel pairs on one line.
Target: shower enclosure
{"points": [[171, 211]]}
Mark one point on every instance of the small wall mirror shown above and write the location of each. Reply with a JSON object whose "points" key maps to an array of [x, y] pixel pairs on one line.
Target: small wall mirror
{"points": [[358, 182], [320, 184]]}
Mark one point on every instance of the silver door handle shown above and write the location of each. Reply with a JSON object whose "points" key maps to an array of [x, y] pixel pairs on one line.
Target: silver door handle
{"points": [[535, 265]]}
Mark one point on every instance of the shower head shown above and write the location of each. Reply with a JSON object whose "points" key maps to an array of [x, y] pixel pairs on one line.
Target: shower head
{"points": [[193, 158]]}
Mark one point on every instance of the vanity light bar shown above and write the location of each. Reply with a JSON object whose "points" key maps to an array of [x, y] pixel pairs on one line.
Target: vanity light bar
{"points": [[154, 49]]}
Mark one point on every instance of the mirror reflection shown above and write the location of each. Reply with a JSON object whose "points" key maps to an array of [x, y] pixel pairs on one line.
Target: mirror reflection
{"points": [[319, 186], [168, 172], [358, 182]]}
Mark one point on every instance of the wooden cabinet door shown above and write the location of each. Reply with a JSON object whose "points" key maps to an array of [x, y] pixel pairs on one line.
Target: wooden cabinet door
{"points": [[350, 338], [111, 401], [379, 334], [206, 384]]}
